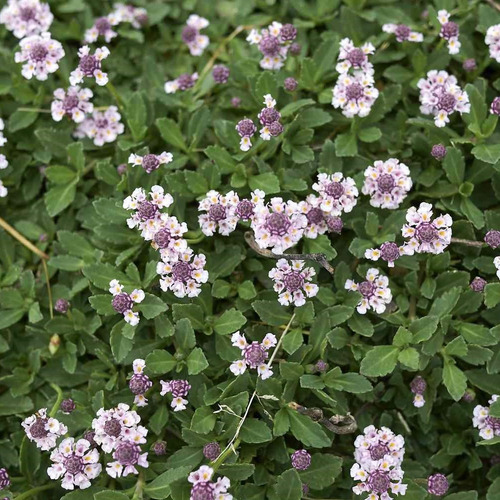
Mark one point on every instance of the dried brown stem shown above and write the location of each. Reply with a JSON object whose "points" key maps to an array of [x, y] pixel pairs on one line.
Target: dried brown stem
{"points": [[338, 424], [469, 243], [320, 258]]}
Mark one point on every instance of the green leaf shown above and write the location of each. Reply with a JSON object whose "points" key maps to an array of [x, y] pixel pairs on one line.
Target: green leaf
{"points": [[121, 345], [160, 362], [159, 488], [410, 358], [255, 431], [60, 197], [492, 295], [152, 306], [489, 153], [476, 334], [346, 144], [171, 133], [221, 158], [268, 182], [10, 405], [361, 325], [230, 321], [454, 379], [423, 328], [102, 304], [203, 420], [322, 472], [10, 317], [370, 134], [19, 120], [380, 361], [29, 458], [266, 84], [110, 495], [494, 490], [288, 486], [454, 166], [196, 361], [349, 382], [307, 431]]}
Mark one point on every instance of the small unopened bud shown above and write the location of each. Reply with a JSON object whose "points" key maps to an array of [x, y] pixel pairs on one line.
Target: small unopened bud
{"points": [[55, 342]]}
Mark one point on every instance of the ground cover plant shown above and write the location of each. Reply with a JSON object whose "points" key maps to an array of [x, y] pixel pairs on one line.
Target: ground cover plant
{"points": [[249, 249]]}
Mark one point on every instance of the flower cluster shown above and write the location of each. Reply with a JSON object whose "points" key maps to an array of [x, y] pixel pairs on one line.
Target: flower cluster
{"points": [[301, 460], [74, 103], [292, 282], [140, 383], [43, 429], [220, 213], [150, 162], [183, 82], [375, 292], [418, 386], [387, 183], [191, 36], [337, 193], [254, 355], [205, 489], [127, 455], [26, 17], [403, 33], [379, 455], [40, 55], [388, 251], [354, 91], [103, 26], [441, 96], [492, 39], [90, 66], [136, 16], [274, 43], [449, 31], [179, 390], [103, 126], [76, 462], [488, 426], [124, 302], [4, 479], [426, 235], [437, 484], [270, 117], [496, 263]]}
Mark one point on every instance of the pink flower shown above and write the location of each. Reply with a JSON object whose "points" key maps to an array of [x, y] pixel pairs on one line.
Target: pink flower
{"points": [[204, 488], [75, 103], [337, 193], [492, 39], [449, 31], [90, 66], [375, 292], [26, 17], [124, 302], [221, 213], [103, 26], [403, 33], [179, 390], [103, 126], [150, 162], [292, 282], [254, 355], [355, 58], [191, 36], [43, 430], [355, 94], [40, 55], [127, 455], [489, 427]]}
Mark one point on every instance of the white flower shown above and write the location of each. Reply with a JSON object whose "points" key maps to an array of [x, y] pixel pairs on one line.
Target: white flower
{"points": [[337, 193], [492, 39], [220, 213], [43, 430], [26, 17], [90, 66], [375, 292], [102, 126]]}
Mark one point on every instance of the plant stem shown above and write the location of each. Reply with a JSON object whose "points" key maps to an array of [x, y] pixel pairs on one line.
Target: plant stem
{"points": [[58, 400], [114, 93], [19, 237], [34, 491], [320, 258], [49, 290], [469, 243], [36, 110], [233, 444]]}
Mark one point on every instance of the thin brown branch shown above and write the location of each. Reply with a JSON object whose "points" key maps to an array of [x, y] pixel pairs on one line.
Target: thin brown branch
{"points": [[19, 237], [469, 243], [338, 424], [320, 258], [494, 4]]}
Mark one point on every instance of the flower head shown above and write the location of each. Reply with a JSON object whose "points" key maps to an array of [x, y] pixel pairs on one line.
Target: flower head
{"points": [[61, 306], [137, 16], [211, 450], [116, 425], [488, 426], [220, 73], [179, 390], [469, 65], [246, 208], [438, 151], [290, 84], [103, 26], [278, 225], [68, 406], [123, 302], [75, 462], [26, 17], [205, 489], [387, 183], [388, 251], [220, 213], [246, 129], [43, 430], [426, 235], [441, 96], [150, 162], [292, 282], [337, 193], [74, 103], [492, 39], [254, 355], [437, 484], [478, 284], [90, 66], [191, 36], [495, 106], [140, 383], [492, 238], [353, 57], [418, 386], [354, 94], [301, 460], [103, 126], [183, 273], [403, 33], [40, 55], [449, 31], [127, 455], [4, 479], [316, 217], [183, 82], [375, 292], [379, 444]]}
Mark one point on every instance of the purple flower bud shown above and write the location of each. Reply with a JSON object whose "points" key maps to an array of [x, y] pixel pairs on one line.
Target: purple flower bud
{"points": [[122, 303], [246, 128], [449, 30], [321, 366], [220, 73], [469, 396], [269, 45], [147, 210], [334, 224], [402, 32], [295, 49], [204, 490], [139, 384], [121, 169], [235, 102], [469, 65], [288, 32], [150, 163], [42, 238], [290, 84], [185, 81], [61, 306], [179, 388], [162, 238], [189, 34], [4, 479], [89, 436], [305, 489], [495, 106], [127, 453], [478, 284], [389, 251], [446, 102], [211, 451], [244, 209], [356, 57], [418, 385], [269, 115], [255, 355], [102, 25], [160, 448], [438, 151], [379, 481], [275, 128], [437, 484], [68, 406], [492, 238], [301, 460]]}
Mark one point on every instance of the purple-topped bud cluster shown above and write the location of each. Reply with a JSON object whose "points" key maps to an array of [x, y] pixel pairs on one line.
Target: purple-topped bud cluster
{"points": [[61, 306], [478, 284], [438, 151], [418, 386], [301, 460], [179, 390], [211, 451], [437, 484], [68, 406], [220, 73], [139, 383]]}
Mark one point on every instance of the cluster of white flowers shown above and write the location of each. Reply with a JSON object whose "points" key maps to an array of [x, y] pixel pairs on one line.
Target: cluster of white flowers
{"points": [[254, 355], [124, 302], [496, 263], [337, 193], [492, 39], [441, 96], [192, 37], [179, 390], [43, 430], [489, 427], [449, 31], [203, 487], [379, 455], [74, 102], [403, 33], [375, 292], [150, 162], [26, 17]]}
